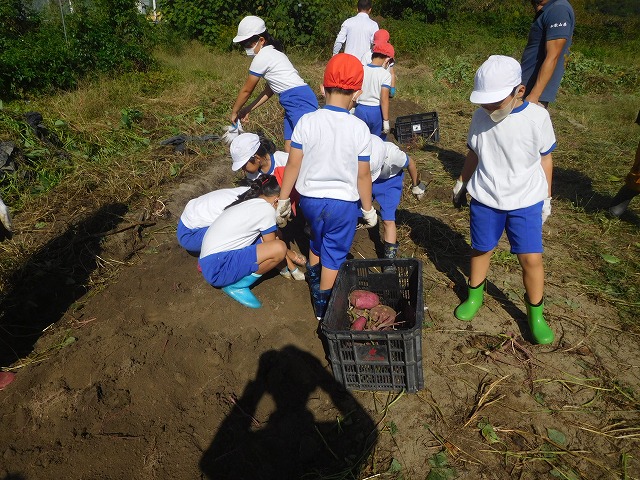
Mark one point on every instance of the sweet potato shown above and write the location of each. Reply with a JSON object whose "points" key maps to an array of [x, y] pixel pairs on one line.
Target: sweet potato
{"points": [[359, 324], [363, 299], [382, 317]]}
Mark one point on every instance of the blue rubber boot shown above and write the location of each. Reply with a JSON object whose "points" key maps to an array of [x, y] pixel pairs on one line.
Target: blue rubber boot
{"points": [[313, 276], [320, 301], [240, 292]]}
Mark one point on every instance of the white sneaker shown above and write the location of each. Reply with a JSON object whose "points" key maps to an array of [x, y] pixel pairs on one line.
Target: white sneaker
{"points": [[285, 273], [297, 274]]}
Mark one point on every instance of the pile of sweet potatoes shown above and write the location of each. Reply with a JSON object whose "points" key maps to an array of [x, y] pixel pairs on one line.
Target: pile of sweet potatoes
{"points": [[368, 313]]}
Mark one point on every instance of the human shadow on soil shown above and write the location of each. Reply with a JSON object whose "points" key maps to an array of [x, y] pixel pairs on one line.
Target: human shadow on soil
{"points": [[50, 281], [290, 443], [13, 476], [450, 254], [451, 160], [577, 188]]}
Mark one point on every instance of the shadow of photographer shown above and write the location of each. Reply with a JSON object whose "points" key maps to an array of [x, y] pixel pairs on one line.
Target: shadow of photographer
{"points": [[291, 443]]}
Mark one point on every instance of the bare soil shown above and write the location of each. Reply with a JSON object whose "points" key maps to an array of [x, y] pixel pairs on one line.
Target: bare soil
{"points": [[154, 374]]}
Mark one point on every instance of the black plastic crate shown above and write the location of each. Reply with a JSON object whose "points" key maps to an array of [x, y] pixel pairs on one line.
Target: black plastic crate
{"points": [[423, 125], [377, 360]]}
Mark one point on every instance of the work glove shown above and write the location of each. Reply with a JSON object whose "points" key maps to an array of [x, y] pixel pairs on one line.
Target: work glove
{"points": [[385, 127], [418, 190], [282, 221], [546, 209], [232, 131], [283, 211], [459, 195], [370, 217], [5, 218]]}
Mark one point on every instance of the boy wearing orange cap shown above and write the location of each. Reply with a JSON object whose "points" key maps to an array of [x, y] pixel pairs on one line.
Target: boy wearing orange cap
{"points": [[329, 167], [373, 104]]}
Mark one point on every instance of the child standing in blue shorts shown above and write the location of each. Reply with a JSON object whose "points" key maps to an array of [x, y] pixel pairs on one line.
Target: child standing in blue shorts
{"points": [[296, 97], [231, 257], [329, 166], [373, 104], [508, 169], [388, 163]]}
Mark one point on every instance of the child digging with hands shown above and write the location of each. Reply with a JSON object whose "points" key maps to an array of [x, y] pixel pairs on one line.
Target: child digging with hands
{"points": [[329, 167], [231, 257], [508, 169]]}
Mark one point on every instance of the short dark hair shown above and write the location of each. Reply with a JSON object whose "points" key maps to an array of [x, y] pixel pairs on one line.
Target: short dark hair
{"points": [[364, 5], [343, 91]]}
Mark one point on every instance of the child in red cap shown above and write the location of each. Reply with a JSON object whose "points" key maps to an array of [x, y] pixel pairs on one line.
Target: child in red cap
{"points": [[373, 104], [329, 167]]}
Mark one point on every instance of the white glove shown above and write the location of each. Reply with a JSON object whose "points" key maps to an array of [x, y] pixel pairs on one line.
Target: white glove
{"points": [[5, 218], [370, 217], [546, 209], [232, 131], [282, 221], [385, 126], [418, 190], [459, 193], [283, 210]]}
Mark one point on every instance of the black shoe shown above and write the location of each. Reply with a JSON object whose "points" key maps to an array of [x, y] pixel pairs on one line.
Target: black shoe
{"points": [[621, 201]]}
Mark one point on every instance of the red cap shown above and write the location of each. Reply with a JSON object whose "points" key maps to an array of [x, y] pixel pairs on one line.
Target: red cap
{"points": [[343, 71], [385, 49], [381, 36]]}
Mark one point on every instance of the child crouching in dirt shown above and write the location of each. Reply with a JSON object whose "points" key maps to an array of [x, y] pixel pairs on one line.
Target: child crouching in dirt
{"points": [[257, 156], [388, 163], [231, 257], [200, 213], [508, 169]]}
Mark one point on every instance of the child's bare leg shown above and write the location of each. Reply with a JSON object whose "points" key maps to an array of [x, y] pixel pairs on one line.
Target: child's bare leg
{"points": [[390, 233], [532, 275], [327, 278], [287, 146], [479, 267], [313, 258], [270, 255]]}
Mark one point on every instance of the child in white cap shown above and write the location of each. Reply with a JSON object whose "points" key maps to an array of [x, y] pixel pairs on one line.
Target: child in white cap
{"points": [[508, 173], [388, 164], [329, 166], [373, 104], [232, 257], [257, 157], [269, 62]]}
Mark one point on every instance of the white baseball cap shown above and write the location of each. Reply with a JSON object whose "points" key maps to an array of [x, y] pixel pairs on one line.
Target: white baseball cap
{"points": [[495, 79], [248, 27], [242, 148]]}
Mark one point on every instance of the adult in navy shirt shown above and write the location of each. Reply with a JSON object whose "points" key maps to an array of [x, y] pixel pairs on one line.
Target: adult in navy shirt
{"points": [[547, 50]]}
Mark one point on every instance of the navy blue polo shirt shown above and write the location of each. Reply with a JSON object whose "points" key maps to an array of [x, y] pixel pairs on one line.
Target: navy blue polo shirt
{"points": [[555, 20]]}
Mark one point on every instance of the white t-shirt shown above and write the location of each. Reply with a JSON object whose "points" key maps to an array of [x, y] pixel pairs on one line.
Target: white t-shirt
{"points": [[387, 160], [333, 142], [357, 34], [239, 226], [278, 159], [509, 173], [202, 211], [375, 78], [276, 68]]}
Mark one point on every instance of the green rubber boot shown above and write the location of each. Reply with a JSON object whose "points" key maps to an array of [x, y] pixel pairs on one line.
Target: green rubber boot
{"points": [[468, 309], [540, 330]]}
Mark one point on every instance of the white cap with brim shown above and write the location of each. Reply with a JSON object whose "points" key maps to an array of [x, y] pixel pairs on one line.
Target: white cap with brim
{"points": [[248, 27], [243, 147], [495, 79]]}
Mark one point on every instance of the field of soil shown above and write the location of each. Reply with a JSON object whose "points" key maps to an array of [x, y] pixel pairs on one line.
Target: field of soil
{"points": [[154, 374]]}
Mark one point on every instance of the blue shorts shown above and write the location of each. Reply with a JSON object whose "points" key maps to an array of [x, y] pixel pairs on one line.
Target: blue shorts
{"points": [[523, 226], [190, 239], [372, 116], [225, 268], [387, 193], [333, 226], [296, 102]]}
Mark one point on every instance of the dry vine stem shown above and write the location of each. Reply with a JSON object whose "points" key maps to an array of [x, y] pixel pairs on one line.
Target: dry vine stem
{"points": [[483, 401]]}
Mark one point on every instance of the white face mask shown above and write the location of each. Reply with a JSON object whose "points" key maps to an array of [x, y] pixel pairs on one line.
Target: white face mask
{"points": [[502, 113], [250, 52]]}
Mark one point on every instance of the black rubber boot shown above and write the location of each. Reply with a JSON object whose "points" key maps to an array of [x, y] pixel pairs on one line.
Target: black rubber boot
{"points": [[621, 201], [390, 252], [320, 301]]}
